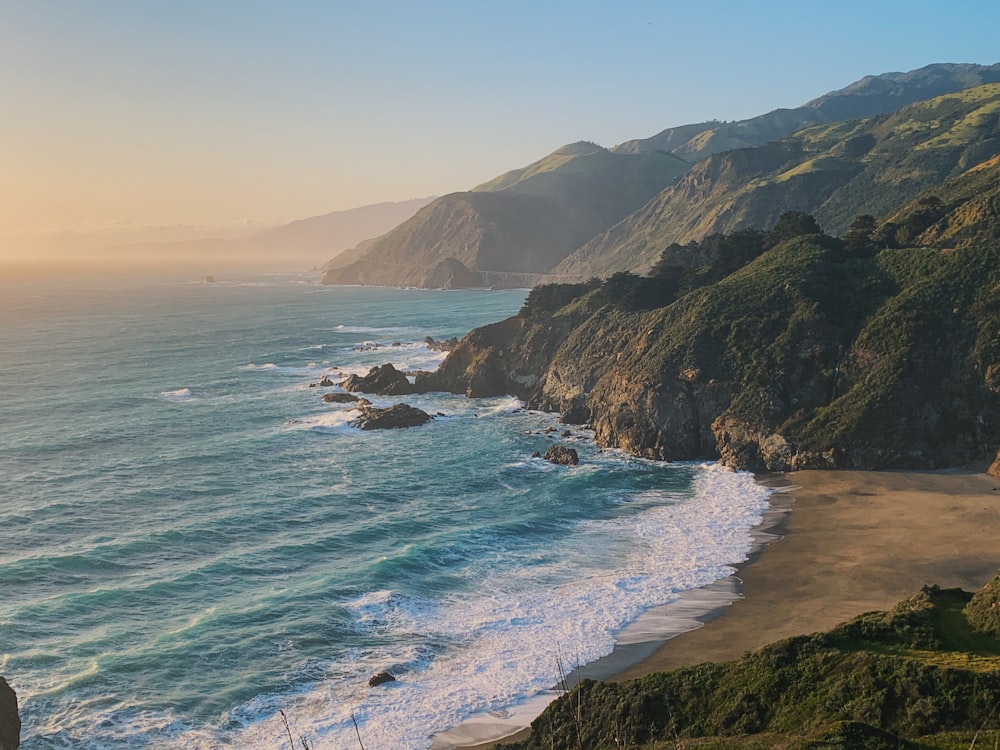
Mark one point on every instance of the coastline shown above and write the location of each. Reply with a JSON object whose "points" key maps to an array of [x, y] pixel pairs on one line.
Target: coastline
{"points": [[855, 541]]}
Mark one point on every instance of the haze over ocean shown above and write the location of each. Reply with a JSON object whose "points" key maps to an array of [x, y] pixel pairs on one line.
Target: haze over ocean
{"points": [[191, 539]]}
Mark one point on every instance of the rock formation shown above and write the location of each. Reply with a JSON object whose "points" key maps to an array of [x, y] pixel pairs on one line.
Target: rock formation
{"points": [[560, 454], [380, 679], [392, 418], [339, 398], [10, 722], [383, 380], [804, 358]]}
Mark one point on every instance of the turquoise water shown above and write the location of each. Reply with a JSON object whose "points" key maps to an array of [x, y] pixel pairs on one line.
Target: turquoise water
{"points": [[191, 540]]}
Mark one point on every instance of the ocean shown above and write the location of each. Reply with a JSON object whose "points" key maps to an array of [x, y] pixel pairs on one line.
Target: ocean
{"points": [[195, 547]]}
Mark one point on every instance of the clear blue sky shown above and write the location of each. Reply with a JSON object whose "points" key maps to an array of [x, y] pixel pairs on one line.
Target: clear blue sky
{"points": [[216, 111]]}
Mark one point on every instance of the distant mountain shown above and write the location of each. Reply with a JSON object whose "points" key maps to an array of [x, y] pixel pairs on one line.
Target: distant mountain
{"points": [[336, 231], [303, 243], [833, 171], [872, 95], [523, 222]]}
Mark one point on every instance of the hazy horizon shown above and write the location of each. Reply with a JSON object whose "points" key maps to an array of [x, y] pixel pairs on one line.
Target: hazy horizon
{"points": [[129, 120]]}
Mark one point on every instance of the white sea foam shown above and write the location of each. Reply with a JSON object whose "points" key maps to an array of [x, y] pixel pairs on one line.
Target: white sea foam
{"points": [[312, 369], [503, 645], [389, 331], [337, 420], [178, 396]]}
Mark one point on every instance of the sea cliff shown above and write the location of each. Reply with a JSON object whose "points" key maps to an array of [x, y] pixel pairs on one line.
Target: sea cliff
{"points": [[806, 357]]}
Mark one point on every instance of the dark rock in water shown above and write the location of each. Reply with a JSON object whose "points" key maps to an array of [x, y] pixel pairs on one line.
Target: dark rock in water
{"points": [[560, 454], [326, 382], [385, 380], [381, 678], [567, 433], [10, 722], [536, 454], [393, 418], [340, 398]]}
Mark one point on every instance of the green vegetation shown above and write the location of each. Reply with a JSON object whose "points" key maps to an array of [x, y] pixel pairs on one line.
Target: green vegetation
{"points": [[915, 677], [983, 610], [774, 350], [833, 171]]}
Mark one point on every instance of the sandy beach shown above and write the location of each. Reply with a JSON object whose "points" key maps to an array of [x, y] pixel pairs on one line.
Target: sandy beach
{"points": [[851, 542]]}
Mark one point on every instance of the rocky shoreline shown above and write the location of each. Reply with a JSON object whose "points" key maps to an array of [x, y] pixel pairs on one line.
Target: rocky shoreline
{"points": [[766, 371]]}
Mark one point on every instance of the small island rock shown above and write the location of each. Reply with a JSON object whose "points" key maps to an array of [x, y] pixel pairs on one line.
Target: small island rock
{"points": [[560, 454], [384, 380], [381, 678], [392, 418], [340, 398]]}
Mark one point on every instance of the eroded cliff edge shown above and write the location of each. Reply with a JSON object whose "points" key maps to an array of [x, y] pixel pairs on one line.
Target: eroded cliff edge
{"points": [[806, 357]]}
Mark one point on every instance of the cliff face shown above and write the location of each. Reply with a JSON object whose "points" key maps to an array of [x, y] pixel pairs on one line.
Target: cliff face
{"points": [[804, 358]]}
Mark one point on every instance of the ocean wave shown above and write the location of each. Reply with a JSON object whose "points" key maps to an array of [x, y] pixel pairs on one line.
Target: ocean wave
{"points": [[179, 396], [337, 420], [504, 645]]}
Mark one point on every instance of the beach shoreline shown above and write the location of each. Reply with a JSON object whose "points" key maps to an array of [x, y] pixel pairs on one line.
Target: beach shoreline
{"points": [[853, 542]]}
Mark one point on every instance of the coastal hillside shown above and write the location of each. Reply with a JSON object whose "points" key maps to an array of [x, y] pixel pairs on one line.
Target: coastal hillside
{"points": [[924, 675], [960, 213], [777, 351], [523, 222], [872, 95], [834, 172]]}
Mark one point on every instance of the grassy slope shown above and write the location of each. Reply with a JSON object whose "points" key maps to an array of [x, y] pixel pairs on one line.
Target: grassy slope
{"points": [[885, 362], [918, 676], [834, 171]]}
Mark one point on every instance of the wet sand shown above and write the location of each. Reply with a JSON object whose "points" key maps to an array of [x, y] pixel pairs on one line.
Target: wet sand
{"points": [[852, 542]]}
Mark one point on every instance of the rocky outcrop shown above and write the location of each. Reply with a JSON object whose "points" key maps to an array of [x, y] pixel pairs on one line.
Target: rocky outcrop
{"points": [[509, 357], [380, 679], [560, 454], [804, 358], [392, 418], [383, 380], [339, 398], [10, 722]]}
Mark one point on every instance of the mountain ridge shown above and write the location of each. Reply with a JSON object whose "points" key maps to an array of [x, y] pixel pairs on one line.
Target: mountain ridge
{"points": [[528, 236], [834, 171]]}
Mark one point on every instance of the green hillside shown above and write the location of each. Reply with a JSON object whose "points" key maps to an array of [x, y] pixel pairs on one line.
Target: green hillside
{"points": [[920, 676], [959, 213], [528, 220], [834, 172], [872, 95], [813, 353]]}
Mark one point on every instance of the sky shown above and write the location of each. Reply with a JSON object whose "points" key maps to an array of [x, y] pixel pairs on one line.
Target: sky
{"points": [[133, 113]]}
